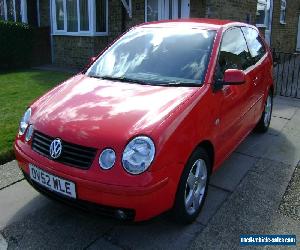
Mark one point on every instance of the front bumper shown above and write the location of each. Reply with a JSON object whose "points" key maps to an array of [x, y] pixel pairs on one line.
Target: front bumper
{"points": [[120, 213], [138, 202]]}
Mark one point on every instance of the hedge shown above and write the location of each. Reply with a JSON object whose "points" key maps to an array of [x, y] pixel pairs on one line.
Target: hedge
{"points": [[16, 41]]}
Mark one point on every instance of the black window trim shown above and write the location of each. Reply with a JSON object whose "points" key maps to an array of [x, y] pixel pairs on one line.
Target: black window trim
{"points": [[264, 46], [219, 49]]}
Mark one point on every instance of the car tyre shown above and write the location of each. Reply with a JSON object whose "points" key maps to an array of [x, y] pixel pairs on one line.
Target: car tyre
{"points": [[192, 188], [265, 120]]}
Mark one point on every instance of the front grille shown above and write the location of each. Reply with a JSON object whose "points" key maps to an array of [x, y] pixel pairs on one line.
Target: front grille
{"points": [[72, 154]]}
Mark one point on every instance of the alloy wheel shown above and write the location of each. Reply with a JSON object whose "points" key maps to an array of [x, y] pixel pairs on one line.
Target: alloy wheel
{"points": [[268, 111], [195, 186]]}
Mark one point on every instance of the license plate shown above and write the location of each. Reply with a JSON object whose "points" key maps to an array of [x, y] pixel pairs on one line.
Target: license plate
{"points": [[52, 182]]}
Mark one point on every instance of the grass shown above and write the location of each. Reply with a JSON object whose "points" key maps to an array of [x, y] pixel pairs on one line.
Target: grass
{"points": [[17, 90]]}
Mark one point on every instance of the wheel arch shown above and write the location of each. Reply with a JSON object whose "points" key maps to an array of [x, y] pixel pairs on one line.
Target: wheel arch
{"points": [[209, 148]]}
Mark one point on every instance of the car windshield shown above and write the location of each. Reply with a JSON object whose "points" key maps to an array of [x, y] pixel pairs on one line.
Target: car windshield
{"points": [[157, 56]]}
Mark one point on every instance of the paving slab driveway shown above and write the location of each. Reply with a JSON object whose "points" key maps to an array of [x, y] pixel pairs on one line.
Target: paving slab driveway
{"points": [[244, 197]]}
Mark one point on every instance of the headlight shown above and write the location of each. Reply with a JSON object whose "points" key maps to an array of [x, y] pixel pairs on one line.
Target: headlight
{"points": [[29, 133], [107, 158], [24, 121], [138, 155]]}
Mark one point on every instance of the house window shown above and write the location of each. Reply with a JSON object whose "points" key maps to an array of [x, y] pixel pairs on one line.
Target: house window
{"points": [[84, 15], [13, 10], [166, 9], [72, 16], [101, 16], [38, 16], [80, 17], [10, 10], [128, 6], [60, 14], [152, 10], [283, 12], [262, 13], [2, 10]]}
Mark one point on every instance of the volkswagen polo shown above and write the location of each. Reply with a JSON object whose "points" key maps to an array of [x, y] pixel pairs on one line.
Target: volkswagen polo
{"points": [[141, 129]]}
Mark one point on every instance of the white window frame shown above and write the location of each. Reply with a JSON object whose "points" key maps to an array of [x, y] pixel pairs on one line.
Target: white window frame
{"points": [[282, 8], [265, 3], [91, 16], [5, 10], [15, 14], [23, 10], [128, 7], [163, 9], [38, 13]]}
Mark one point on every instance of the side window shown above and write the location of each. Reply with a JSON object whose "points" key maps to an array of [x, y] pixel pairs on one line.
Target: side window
{"points": [[234, 53], [255, 43]]}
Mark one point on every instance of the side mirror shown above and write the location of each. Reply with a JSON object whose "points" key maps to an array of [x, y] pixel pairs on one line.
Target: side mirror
{"points": [[234, 77]]}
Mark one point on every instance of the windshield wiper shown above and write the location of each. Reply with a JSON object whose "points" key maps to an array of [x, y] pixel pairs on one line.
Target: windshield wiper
{"points": [[120, 79], [149, 82], [180, 84]]}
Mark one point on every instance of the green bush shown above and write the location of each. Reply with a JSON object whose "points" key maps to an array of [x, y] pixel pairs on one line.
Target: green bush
{"points": [[16, 41]]}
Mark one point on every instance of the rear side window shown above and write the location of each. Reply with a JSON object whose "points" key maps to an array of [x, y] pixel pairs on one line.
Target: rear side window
{"points": [[255, 43], [234, 53]]}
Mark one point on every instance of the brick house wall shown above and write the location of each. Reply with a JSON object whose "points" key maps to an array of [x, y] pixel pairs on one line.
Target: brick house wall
{"points": [[75, 51], [197, 8], [44, 13], [284, 36], [236, 10], [138, 14]]}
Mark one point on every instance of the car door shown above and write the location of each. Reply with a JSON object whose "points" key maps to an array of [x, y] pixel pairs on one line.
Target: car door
{"points": [[235, 114], [260, 70]]}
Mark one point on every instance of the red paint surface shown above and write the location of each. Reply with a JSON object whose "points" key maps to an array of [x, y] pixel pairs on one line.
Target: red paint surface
{"points": [[100, 114]]}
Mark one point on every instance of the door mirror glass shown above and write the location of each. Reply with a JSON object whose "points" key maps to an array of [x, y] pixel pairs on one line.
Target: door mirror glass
{"points": [[234, 77]]}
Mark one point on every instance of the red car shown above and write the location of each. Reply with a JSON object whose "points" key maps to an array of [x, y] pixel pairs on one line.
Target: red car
{"points": [[140, 130]]}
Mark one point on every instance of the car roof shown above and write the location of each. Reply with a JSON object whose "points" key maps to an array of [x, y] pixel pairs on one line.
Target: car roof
{"points": [[205, 23]]}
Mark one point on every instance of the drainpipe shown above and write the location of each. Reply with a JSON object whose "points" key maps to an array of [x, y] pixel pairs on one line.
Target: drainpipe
{"points": [[271, 21], [51, 33]]}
